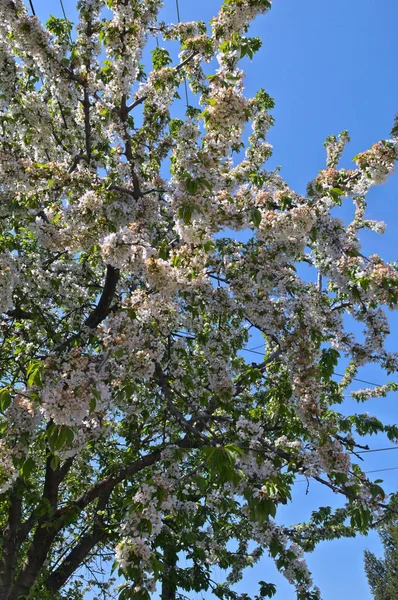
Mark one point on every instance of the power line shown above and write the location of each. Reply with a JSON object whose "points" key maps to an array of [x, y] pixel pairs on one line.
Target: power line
{"points": [[178, 11], [255, 348], [252, 351], [63, 10], [32, 7], [360, 380], [377, 450], [185, 79], [70, 37], [364, 472], [380, 470], [66, 19]]}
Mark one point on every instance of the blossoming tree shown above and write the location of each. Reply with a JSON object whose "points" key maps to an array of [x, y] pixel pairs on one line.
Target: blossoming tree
{"points": [[132, 429]]}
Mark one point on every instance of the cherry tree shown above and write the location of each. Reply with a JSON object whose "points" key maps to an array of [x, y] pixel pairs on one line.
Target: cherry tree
{"points": [[133, 431]]}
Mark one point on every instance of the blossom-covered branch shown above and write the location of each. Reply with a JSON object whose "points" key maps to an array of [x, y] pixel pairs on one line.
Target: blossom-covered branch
{"points": [[132, 424]]}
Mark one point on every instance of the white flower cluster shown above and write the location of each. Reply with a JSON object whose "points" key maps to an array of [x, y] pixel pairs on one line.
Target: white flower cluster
{"points": [[74, 391], [7, 281], [234, 17], [378, 162], [8, 473], [150, 504], [335, 148]]}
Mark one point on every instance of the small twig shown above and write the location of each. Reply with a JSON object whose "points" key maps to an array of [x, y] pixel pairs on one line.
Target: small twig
{"points": [[167, 392], [119, 188], [177, 68]]}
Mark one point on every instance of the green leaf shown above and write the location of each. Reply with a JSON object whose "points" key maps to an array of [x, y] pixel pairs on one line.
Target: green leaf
{"points": [[267, 590], [35, 374], [27, 467], [255, 216], [234, 449], [160, 58], [5, 400], [54, 464], [59, 436], [260, 509], [185, 213]]}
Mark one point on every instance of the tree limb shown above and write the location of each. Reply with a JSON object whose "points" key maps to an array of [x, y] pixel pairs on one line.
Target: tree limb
{"points": [[101, 311], [44, 535], [10, 540], [76, 556], [176, 68]]}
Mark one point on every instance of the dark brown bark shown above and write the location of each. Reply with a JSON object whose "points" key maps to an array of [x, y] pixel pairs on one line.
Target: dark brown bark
{"points": [[169, 587], [43, 538], [10, 542], [41, 544], [101, 311], [48, 527], [79, 553], [105, 486]]}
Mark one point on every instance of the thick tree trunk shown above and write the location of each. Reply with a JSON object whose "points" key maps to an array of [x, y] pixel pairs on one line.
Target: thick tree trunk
{"points": [[3, 592], [11, 542], [169, 587]]}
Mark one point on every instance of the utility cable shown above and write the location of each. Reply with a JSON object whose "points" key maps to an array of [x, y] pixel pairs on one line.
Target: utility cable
{"points": [[32, 7], [185, 79]]}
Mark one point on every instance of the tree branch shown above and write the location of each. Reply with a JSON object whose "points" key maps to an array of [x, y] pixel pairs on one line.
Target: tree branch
{"points": [[44, 535], [167, 392], [10, 540], [106, 485], [101, 311], [87, 125], [76, 556], [124, 113], [176, 68], [109, 483]]}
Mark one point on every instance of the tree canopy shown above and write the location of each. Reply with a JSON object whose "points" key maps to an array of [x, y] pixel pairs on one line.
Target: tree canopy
{"points": [[382, 573], [132, 427]]}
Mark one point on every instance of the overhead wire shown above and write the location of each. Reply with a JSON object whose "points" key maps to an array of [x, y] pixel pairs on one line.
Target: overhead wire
{"points": [[32, 7], [364, 472], [66, 19], [380, 470], [185, 79], [253, 351], [360, 380], [377, 450], [63, 10]]}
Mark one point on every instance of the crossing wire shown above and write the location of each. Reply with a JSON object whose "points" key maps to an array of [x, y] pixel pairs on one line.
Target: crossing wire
{"points": [[252, 351], [185, 79], [365, 473], [32, 7], [66, 19], [377, 450], [63, 10]]}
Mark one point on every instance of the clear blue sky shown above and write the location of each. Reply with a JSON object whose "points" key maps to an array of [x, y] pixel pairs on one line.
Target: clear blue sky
{"points": [[330, 66]]}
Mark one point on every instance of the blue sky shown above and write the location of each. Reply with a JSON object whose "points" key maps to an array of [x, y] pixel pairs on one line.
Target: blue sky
{"points": [[330, 66]]}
